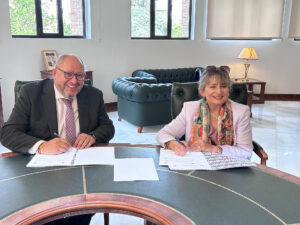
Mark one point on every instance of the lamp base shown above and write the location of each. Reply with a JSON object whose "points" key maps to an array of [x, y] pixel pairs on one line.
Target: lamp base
{"points": [[247, 65]]}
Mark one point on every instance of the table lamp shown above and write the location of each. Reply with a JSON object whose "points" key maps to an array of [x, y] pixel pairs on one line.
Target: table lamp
{"points": [[247, 53]]}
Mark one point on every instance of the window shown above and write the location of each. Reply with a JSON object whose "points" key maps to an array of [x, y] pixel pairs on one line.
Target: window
{"points": [[161, 19], [294, 30], [244, 19], [47, 18]]}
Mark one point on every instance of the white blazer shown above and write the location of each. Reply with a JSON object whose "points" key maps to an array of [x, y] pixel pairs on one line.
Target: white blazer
{"points": [[182, 124]]}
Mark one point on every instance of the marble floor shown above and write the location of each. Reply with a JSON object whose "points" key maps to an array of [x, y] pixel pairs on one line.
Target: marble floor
{"points": [[275, 126]]}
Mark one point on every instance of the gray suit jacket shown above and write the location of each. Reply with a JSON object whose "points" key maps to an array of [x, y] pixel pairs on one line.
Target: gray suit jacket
{"points": [[34, 116]]}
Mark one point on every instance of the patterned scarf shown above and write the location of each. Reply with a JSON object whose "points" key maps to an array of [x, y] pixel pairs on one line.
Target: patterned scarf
{"points": [[201, 124]]}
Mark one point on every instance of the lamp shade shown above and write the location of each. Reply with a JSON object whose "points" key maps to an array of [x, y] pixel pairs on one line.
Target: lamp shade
{"points": [[248, 53]]}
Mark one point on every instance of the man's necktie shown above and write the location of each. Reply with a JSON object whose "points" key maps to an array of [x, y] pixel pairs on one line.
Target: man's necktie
{"points": [[69, 121]]}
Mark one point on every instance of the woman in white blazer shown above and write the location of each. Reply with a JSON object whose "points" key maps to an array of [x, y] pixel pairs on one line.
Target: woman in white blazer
{"points": [[212, 124]]}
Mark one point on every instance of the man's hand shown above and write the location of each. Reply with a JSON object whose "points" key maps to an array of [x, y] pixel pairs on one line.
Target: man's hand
{"points": [[177, 147], [84, 141], [54, 147]]}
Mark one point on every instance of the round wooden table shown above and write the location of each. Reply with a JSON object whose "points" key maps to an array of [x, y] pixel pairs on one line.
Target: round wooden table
{"points": [[256, 195]]}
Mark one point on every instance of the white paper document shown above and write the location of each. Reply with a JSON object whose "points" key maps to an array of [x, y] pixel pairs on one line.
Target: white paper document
{"points": [[73, 157], [132, 169], [95, 156], [64, 159], [190, 161], [200, 161], [219, 161]]}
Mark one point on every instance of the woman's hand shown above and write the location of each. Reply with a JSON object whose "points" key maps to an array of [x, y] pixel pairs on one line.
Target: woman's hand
{"points": [[177, 147], [202, 146]]}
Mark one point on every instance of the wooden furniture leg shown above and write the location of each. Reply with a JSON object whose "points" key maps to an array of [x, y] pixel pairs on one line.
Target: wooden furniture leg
{"points": [[140, 129], [106, 218], [249, 101], [148, 223]]}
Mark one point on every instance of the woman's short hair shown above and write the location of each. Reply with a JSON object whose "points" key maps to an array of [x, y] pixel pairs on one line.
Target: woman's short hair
{"points": [[210, 71]]}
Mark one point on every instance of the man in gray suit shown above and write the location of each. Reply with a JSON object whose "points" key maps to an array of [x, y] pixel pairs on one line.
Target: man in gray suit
{"points": [[37, 122]]}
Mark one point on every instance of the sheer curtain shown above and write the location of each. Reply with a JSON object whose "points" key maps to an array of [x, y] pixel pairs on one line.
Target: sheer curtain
{"points": [[294, 31], [244, 19]]}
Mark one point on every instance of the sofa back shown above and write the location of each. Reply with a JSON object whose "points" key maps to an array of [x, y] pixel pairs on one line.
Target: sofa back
{"points": [[169, 75]]}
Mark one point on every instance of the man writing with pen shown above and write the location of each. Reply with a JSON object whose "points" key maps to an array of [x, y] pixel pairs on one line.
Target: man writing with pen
{"points": [[50, 116]]}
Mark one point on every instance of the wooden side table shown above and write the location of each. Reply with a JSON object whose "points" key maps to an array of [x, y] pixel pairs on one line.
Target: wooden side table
{"points": [[257, 98], [48, 74]]}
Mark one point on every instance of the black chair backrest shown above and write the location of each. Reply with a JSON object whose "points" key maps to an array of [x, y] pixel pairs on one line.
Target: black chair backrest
{"points": [[184, 92], [19, 84]]}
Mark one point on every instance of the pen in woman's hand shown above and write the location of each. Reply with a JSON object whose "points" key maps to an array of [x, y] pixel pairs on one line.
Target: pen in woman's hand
{"points": [[179, 142]]}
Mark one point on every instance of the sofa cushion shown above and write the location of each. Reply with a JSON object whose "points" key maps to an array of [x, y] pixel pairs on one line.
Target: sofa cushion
{"points": [[169, 75], [139, 89]]}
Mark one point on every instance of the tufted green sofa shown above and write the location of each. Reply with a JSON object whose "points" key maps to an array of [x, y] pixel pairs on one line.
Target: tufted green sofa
{"points": [[145, 98]]}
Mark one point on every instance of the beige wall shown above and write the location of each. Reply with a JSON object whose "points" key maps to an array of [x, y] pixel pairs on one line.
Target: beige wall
{"points": [[111, 53]]}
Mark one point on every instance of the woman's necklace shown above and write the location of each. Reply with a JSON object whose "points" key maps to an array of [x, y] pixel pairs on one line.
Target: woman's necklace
{"points": [[214, 117]]}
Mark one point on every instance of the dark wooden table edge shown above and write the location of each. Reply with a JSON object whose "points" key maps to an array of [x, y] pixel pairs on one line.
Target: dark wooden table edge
{"points": [[148, 209], [278, 173]]}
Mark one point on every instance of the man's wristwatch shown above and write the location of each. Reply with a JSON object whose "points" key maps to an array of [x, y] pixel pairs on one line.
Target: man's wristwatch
{"points": [[220, 150]]}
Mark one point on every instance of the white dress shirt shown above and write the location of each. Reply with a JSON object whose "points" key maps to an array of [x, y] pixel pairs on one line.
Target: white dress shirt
{"points": [[61, 112]]}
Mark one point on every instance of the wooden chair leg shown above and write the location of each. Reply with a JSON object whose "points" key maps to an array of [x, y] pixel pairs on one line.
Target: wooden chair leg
{"points": [[140, 129], [119, 119], [148, 223], [106, 218]]}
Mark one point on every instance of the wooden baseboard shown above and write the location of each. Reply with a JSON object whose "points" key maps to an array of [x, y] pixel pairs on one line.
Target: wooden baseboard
{"points": [[111, 107], [282, 97]]}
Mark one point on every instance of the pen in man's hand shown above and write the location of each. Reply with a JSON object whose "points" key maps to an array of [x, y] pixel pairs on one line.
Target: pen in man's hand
{"points": [[179, 142]]}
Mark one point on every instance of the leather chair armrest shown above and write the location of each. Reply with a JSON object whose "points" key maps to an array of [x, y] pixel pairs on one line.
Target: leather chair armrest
{"points": [[259, 151]]}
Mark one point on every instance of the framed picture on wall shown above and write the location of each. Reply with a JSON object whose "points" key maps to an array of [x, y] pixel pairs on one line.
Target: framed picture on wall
{"points": [[50, 58]]}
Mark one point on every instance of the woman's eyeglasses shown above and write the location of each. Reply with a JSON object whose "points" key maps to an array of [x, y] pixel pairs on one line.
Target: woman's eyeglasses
{"points": [[69, 75], [214, 68]]}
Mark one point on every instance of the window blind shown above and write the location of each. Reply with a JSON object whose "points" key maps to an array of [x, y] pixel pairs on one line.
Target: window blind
{"points": [[244, 19], [294, 30]]}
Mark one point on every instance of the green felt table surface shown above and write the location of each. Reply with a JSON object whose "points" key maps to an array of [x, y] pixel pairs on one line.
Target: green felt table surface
{"points": [[232, 196]]}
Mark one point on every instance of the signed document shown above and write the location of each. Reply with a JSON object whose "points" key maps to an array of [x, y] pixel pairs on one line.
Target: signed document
{"points": [[74, 157], [200, 161]]}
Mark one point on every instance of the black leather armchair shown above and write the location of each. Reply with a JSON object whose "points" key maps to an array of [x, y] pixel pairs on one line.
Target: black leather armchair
{"points": [[145, 98], [183, 92]]}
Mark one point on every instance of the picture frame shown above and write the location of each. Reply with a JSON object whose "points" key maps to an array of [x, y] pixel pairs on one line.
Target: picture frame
{"points": [[50, 58]]}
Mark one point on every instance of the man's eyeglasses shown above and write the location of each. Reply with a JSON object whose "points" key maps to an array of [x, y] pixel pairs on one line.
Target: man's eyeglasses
{"points": [[69, 75], [214, 68]]}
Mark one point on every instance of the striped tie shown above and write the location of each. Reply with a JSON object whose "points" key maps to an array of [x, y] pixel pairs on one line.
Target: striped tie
{"points": [[69, 121]]}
